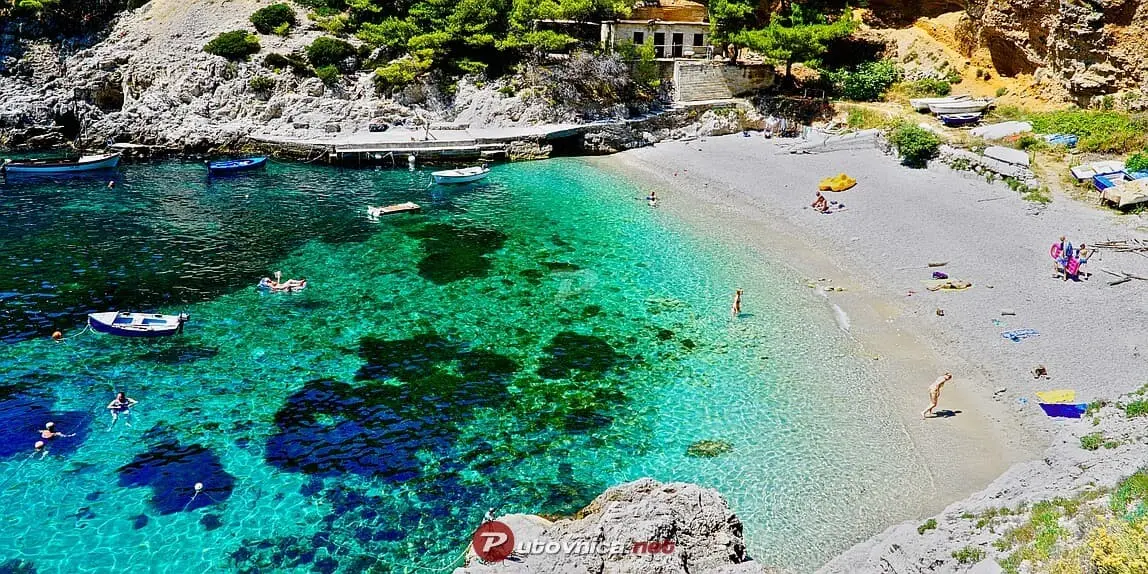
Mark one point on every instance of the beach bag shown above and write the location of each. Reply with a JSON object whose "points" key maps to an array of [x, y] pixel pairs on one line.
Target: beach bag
{"points": [[940, 275]]}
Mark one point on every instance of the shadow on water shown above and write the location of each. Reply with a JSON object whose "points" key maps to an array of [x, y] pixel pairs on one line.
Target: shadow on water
{"points": [[25, 407], [172, 470]]}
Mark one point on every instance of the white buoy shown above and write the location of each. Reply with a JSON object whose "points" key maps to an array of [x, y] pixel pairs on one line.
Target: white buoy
{"points": [[198, 486], [411, 162]]}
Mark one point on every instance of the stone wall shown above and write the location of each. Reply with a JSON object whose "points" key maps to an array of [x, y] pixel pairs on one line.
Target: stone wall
{"points": [[698, 81]]}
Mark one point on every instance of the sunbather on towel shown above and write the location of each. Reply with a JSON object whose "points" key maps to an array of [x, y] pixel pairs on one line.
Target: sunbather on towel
{"points": [[820, 204], [952, 284]]}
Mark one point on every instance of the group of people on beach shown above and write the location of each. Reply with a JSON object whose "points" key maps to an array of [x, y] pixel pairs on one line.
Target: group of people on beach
{"points": [[1066, 261], [119, 407]]}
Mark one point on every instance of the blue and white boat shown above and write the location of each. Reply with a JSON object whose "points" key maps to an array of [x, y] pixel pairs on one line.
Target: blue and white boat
{"points": [[236, 165], [137, 324], [464, 175], [957, 120], [54, 166]]}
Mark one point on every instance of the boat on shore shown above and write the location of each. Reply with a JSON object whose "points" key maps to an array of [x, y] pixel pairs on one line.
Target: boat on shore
{"points": [[126, 324], [47, 166], [922, 104], [224, 167], [464, 175], [970, 106], [959, 120]]}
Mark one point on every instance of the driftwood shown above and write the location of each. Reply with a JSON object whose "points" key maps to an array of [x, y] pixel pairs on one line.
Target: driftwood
{"points": [[1121, 277], [1124, 246]]}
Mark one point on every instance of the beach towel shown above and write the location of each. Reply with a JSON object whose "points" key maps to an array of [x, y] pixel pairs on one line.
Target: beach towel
{"points": [[1019, 335], [1061, 410], [1057, 396], [940, 275]]}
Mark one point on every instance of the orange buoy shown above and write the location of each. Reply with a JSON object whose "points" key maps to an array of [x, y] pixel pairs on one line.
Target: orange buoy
{"points": [[57, 336]]}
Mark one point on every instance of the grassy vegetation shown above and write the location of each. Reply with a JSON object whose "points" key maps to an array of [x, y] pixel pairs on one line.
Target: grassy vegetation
{"points": [[1099, 131], [1091, 441], [234, 45], [969, 555], [860, 118], [929, 524]]}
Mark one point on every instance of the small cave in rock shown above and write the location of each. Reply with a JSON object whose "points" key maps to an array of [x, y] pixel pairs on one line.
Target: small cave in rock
{"points": [[1008, 58], [109, 97]]}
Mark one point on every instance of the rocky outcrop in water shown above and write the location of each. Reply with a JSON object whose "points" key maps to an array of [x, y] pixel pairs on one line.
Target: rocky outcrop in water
{"points": [[706, 537]]}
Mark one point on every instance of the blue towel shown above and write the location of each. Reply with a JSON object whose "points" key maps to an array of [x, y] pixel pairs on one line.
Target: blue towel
{"points": [[1019, 334], [1068, 411]]}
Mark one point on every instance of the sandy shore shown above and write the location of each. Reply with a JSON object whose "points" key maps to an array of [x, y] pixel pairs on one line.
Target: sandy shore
{"points": [[751, 195]]}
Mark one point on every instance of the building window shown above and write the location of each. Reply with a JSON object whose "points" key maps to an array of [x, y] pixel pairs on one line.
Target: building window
{"points": [[699, 39], [639, 38], [659, 44]]}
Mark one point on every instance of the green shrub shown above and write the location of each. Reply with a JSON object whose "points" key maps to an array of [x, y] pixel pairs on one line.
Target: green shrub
{"points": [[1127, 501], [330, 75], [1091, 441], [296, 63], [928, 87], [234, 45], [328, 51], [865, 118], [916, 145], [1002, 91], [1102, 132], [929, 524], [1138, 162], [867, 82], [268, 18], [283, 29], [261, 84], [1107, 103], [954, 77], [401, 72], [969, 555]]}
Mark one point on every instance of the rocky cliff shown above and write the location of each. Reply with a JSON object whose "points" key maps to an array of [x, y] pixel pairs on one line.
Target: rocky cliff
{"points": [[1076, 51]]}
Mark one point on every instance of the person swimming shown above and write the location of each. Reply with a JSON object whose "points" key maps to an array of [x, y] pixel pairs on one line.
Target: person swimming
{"points": [[49, 432], [121, 405]]}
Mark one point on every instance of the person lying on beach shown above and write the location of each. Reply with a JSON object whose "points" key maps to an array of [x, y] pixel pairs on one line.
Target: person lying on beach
{"points": [[652, 199], [952, 284], [820, 204], [121, 405], [935, 393], [49, 432]]}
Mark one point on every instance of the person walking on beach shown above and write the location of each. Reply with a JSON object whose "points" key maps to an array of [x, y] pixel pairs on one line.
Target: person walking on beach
{"points": [[736, 309], [935, 393]]}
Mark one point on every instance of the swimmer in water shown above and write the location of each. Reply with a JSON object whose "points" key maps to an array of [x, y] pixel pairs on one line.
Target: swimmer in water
{"points": [[49, 432], [39, 449], [121, 405]]}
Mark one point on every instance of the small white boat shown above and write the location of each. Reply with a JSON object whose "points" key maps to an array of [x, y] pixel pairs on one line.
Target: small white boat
{"points": [[464, 175], [61, 165], [1007, 155], [137, 324], [922, 104], [961, 107]]}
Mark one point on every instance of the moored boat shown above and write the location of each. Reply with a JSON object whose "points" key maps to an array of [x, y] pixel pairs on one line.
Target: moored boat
{"points": [[970, 106], [47, 166], [922, 104], [137, 324], [957, 120], [236, 165], [464, 175]]}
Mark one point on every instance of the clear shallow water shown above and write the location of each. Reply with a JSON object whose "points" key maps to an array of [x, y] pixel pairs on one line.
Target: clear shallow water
{"points": [[522, 344]]}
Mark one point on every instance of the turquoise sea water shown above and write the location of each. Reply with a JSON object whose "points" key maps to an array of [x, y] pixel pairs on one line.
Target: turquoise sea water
{"points": [[521, 344]]}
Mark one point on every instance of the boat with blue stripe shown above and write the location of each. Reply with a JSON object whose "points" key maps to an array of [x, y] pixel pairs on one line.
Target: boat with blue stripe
{"points": [[56, 166], [224, 167]]}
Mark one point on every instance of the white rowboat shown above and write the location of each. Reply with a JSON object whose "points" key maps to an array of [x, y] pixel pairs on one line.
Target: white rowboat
{"points": [[464, 175], [922, 104], [961, 107], [61, 165]]}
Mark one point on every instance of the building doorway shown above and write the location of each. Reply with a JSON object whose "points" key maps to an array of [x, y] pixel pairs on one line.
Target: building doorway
{"points": [[677, 50]]}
